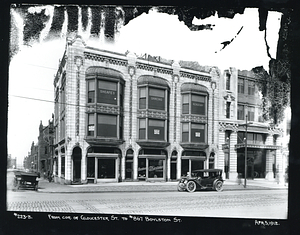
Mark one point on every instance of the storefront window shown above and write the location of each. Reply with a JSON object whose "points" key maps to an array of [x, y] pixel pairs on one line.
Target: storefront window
{"points": [[155, 169], [197, 164], [106, 168], [184, 167], [91, 167], [142, 168], [62, 165]]}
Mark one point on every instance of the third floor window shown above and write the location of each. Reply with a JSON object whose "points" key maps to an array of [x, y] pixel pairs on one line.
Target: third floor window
{"points": [[193, 104]]}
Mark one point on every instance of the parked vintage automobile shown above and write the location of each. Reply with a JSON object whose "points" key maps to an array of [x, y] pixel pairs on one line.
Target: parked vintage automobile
{"points": [[202, 179]]}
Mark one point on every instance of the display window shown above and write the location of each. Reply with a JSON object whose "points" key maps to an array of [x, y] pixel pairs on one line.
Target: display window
{"points": [[106, 168]]}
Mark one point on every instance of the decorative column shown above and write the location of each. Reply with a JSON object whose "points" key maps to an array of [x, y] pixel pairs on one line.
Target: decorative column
{"points": [[233, 156], [221, 156], [269, 158], [279, 161], [175, 82], [213, 86], [79, 62], [131, 71]]}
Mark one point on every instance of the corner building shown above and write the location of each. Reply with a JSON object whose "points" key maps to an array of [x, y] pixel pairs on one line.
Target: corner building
{"points": [[123, 118]]}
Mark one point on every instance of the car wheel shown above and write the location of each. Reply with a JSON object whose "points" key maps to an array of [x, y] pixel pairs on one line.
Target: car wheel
{"points": [[219, 186], [179, 188], [191, 186]]}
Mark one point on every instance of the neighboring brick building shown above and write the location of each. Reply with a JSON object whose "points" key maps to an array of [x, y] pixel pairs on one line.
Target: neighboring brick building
{"points": [[240, 97], [31, 161], [123, 118], [45, 148]]}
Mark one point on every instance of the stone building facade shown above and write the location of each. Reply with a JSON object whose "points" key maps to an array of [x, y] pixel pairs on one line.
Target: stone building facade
{"points": [[120, 118], [240, 99]]}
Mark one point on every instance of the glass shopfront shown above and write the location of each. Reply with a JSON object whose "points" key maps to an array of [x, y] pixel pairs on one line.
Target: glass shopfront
{"points": [[103, 164], [152, 165], [192, 160]]}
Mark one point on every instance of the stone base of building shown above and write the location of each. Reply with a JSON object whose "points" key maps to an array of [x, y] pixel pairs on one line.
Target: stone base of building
{"points": [[269, 176], [233, 175]]}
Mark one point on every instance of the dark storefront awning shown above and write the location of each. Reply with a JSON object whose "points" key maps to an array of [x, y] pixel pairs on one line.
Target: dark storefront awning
{"points": [[257, 146]]}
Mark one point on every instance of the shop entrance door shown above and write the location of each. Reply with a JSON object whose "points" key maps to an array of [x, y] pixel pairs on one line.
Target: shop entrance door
{"points": [[76, 165]]}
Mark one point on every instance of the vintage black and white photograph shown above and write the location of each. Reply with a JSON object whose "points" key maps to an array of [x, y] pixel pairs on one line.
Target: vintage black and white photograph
{"points": [[148, 113]]}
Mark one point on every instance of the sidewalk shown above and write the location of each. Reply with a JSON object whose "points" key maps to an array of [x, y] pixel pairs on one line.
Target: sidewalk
{"points": [[46, 187]]}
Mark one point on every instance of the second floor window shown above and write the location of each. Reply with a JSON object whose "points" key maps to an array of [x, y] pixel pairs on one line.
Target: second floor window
{"points": [[152, 129], [193, 132], [241, 86], [251, 113], [241, 112], [228, 81], [104, 125], [251, 88], [228, 109]]}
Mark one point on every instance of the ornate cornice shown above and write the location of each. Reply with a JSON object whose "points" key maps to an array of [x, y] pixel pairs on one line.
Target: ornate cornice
{"points": [[193, 118], [152, 114], [104, 109], [102, 58], [228, 126], [195, 77], [154, 68]]}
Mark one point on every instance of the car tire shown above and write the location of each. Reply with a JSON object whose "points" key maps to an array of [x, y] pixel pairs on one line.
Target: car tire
{"points": [[218, 186], [191, 186]]}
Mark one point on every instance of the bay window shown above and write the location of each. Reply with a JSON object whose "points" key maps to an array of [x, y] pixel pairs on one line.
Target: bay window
{"points": [[104, 103], [152, 129], [193, 104], [193, 132], [194, 114], [153, 95]]}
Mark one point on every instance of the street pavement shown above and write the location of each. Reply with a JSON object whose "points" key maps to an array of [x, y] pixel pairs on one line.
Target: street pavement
{"points": [[46, 187]]}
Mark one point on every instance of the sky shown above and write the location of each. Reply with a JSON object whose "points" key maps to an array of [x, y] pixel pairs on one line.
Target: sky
{"points": [[32, 69]]}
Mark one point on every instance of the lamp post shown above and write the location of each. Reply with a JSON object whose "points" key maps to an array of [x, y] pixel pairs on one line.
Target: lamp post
{"points": [[245, 181], [246, 133]]}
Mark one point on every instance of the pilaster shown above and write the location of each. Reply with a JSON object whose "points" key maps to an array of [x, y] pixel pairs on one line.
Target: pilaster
{"points": [[233, 156]]}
